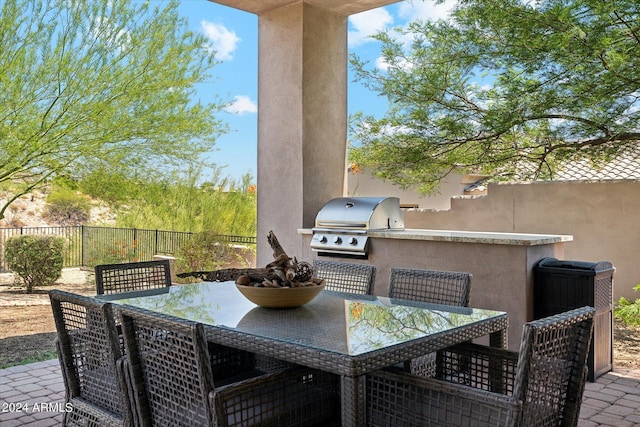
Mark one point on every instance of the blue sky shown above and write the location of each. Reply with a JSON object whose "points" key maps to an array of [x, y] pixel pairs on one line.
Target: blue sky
{"points": [[233, 34]]}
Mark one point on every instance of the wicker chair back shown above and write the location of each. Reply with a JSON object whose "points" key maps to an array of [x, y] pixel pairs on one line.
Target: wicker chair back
{"points": [[345, 277], [89, 350], [169, 369], [551, 371], [132, 276], [438, 287]]}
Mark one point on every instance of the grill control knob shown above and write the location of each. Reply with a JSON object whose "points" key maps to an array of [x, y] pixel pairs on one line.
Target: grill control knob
{"points": [[337, 240], [353, 241], [322, 239]]}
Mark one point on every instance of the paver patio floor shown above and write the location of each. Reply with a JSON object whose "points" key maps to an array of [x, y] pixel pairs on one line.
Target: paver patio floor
{"points": [[33, 395]]}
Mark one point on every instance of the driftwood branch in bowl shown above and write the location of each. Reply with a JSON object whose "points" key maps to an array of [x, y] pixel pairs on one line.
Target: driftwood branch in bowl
{"points": [[283, 271], [278, 251], [226, 274]]}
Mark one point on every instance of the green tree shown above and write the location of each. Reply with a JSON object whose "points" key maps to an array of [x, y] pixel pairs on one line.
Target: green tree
{"points": [[90, 85], [510, 88]]}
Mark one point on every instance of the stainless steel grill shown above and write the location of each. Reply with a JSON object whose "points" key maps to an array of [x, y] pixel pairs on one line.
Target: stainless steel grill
{"points": [[342, 224]]}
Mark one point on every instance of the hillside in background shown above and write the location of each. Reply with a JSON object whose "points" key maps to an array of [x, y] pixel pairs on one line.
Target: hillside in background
{"points": [[181, 204], [29, 211]]}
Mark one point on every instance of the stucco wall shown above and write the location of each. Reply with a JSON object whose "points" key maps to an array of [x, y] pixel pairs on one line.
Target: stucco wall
{"points": [[603, 217], [364, 184]]}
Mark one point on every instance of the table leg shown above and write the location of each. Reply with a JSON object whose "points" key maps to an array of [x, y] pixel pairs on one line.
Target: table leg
{"points": [[353, 401], [496, 339]]}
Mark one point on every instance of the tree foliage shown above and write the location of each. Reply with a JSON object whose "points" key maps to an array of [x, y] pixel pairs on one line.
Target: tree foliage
{"points": [[101, 85], [510, 88], [191, 201]]}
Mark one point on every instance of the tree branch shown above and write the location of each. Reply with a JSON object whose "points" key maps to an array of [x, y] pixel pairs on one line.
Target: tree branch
{"points": [[591, 123]]}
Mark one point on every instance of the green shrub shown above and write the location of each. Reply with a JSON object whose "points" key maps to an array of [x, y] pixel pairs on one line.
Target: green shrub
{"points": [[627, 311], [205, 252], [65, 207], [37, 260]]}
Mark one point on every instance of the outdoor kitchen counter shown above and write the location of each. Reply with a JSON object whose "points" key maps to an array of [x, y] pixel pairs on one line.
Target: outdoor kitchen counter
{"points": [[492, 238], [501, 263]]}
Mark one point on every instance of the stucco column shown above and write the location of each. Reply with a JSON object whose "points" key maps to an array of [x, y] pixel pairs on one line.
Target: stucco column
{"points": [[302, 120]]}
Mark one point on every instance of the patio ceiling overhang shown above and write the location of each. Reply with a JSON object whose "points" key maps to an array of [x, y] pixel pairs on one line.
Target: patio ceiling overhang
{"points": [[341, 7]]}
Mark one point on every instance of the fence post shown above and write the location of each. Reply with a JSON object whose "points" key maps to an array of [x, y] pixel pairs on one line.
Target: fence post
{"points": [[156, 246], [135, 240], [82, 263]]}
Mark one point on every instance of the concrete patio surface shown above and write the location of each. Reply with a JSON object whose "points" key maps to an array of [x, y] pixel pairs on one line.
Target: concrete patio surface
{"points": [[33, 395]]}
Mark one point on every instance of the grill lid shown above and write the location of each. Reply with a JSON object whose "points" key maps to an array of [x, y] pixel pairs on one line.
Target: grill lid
{"points": [[342, 224], [368, 213]]}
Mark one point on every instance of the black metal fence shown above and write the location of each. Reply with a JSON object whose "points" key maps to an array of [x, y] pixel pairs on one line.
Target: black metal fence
{"points": [[88, 246]]}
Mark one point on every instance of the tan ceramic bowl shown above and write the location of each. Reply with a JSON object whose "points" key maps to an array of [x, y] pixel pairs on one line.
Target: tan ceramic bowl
{"points": [[280, 297]]}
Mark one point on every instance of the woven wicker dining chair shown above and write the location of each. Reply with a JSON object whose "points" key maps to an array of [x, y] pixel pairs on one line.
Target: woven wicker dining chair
{"points": [[172, 382], [540, 385], [89, 351], [132, 276], [345, 277], [438, 287], [432, 286]]}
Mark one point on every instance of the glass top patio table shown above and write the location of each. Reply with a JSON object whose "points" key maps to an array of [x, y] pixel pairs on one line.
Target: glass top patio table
{"points": [[346, 324], [345, 334]]}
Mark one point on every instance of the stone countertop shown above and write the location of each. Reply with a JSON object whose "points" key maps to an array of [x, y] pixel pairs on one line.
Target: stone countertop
{"points": [[459, 236]]}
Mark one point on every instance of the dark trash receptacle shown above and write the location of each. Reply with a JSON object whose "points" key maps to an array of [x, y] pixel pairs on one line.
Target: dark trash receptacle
{"points": [[561, 285]]}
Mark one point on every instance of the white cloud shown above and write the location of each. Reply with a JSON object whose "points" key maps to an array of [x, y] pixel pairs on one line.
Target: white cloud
{"points": [[221, 40], [368, 23], [383, 65], [425, 10], [242, 104]]}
